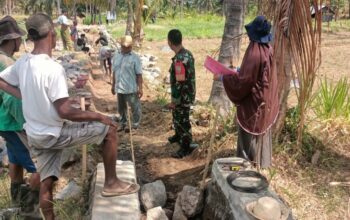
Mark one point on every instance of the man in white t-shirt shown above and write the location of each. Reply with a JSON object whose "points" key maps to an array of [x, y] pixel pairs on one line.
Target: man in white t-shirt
{"points": [[65, 31], [49, 115]]}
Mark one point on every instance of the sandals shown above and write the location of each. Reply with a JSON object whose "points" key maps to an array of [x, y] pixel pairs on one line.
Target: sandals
{"points": [[132, 188]]}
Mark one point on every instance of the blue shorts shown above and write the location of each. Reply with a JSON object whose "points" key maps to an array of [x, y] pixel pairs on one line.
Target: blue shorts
{"points": [[17, 152]]}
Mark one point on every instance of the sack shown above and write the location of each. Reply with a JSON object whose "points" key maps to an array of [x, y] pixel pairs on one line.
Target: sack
{"points": [[180, 72]]}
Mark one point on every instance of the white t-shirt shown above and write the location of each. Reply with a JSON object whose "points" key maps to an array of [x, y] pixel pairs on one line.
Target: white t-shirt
{"points": [[62, 19], [42, 81]]}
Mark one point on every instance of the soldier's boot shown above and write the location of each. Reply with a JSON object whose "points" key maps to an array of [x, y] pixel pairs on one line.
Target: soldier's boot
{"points": [[174, 139]]}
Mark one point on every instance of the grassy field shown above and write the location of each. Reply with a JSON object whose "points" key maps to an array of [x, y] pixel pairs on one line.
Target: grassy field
{"points": [[192, 26], [302, 182]]}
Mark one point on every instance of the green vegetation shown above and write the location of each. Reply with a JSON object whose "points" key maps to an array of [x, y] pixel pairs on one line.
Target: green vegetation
{"points": [[336, 26], [332, 100], [162, 97], [193, 25], [68, 209], [5, 197]]}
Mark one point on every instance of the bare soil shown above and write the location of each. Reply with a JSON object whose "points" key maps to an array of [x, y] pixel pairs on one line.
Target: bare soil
{"points": [[304, 186]]}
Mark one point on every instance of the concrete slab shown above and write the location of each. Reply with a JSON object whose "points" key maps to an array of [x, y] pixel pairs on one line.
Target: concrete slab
{"points": [[125, 207], [223, 202]]}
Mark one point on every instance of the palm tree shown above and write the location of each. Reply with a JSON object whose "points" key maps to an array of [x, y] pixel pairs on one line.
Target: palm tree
{"points": [[130, 19], [58, 3], [229, 50], [138, 23]]}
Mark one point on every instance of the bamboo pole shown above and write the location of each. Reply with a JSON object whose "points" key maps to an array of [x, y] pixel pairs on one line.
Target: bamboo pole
{"points": [[131, 142], [84, 151], [211, 143]]}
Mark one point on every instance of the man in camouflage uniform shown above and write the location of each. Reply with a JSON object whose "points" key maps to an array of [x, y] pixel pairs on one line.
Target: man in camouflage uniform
{"points": [[183, 92]]}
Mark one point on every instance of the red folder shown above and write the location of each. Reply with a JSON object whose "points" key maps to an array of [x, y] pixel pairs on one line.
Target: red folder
{"points": [[217, 68]]}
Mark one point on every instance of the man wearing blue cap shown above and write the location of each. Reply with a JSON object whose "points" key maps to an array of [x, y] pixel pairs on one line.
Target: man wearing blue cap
{"points": [[254, 91]]}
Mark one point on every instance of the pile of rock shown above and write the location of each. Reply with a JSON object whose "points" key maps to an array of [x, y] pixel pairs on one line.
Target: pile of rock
{"points": [[150, 71], [189, 203], [153, 198], [77, 66]]}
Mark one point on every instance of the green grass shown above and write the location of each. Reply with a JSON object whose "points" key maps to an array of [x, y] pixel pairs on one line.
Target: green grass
{"points": [[332, 100], [69, 209], [192, 25], [5, 197], [163, 97], [336, 26]]}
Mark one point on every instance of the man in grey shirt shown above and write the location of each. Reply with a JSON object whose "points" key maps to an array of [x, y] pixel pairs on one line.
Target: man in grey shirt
{"points": [[127, 83]]}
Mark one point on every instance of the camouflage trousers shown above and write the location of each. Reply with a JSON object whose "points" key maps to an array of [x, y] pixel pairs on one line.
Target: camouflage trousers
{"points": [[182, 125]]}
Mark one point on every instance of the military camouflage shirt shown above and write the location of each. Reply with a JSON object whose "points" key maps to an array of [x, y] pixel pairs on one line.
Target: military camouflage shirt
{"points": [[183, 92]]}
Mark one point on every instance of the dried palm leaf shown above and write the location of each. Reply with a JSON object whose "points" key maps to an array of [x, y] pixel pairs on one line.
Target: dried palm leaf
{"points": [[294, 27]]}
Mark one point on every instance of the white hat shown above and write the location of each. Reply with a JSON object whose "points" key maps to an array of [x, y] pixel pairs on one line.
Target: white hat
{"points": [[267, 208]]}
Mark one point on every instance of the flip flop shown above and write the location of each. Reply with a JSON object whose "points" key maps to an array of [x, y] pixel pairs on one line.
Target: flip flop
{"points": [[125, 191]]}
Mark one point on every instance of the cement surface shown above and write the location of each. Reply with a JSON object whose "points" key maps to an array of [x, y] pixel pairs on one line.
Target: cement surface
{"points": [[125, 207]]}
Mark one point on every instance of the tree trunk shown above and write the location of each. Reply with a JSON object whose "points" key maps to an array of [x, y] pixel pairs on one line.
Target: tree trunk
{"points": [[48, 8], [112, 5], [130, 19], [74, 10], [90, 8], [284, 77], [10, 7], [229, 51], [259, 7], [58, 2], [138, 23], [7, 7]]}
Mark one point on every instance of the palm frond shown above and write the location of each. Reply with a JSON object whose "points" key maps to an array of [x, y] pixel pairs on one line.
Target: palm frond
{"points": [[294, 27]]}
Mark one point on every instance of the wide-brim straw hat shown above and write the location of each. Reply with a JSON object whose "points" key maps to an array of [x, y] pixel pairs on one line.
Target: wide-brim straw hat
{"points": [[9, 29], [267, 208]]}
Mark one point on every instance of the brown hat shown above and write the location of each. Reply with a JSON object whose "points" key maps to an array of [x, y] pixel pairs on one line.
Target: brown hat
{"points": [[38, 26], [9, 29]]}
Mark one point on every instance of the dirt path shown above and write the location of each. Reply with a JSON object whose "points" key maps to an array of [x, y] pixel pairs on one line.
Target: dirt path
{"points": [[152, 151], [303, 185]]}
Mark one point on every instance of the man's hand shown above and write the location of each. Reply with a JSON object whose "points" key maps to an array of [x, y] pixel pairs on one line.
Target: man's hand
{"points": [[8, 88], [108, 121], [171, 106], [140, 93], [113, 90]]}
